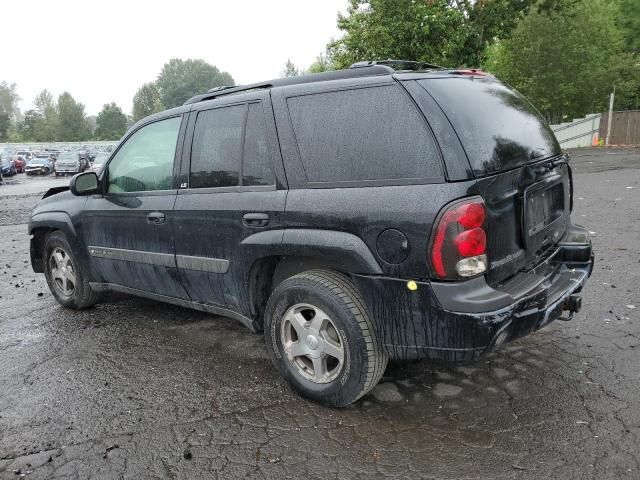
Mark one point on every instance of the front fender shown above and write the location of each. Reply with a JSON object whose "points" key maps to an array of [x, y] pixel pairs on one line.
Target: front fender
{"points": [[50, 221]]}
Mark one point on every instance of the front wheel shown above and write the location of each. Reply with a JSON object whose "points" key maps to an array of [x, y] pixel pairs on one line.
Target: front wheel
{"points": [[67, 278], [321, 338]]}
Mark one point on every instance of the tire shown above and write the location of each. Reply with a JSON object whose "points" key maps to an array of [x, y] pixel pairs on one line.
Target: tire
{"points": [[78, 294], [317, 294]]}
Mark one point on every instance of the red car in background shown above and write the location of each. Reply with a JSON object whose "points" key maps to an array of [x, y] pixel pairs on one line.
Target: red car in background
{"points": [[20, 163]]}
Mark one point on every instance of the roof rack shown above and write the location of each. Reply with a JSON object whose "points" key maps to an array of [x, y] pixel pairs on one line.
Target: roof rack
{"points": [[220, 88], [397, 64], [364, 71]]}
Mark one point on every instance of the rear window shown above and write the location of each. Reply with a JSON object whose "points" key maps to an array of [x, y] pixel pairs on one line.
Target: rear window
{"points": [[365, 134], [499, 129]]}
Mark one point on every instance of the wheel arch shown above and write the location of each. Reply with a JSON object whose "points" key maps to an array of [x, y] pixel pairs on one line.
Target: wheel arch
{"points": [[43, 224], [279, 254]]}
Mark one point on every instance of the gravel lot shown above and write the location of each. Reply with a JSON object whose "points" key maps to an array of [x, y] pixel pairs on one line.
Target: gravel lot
{"points": [[137, 389]]}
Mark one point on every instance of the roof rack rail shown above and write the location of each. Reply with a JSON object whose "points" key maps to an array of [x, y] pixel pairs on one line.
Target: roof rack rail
{"points": [[220, 88], [365, 71], [397, 64]]}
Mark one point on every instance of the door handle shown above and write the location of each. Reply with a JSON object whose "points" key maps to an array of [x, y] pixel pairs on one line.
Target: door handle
{"points": [[155, 218], [255, 219]]}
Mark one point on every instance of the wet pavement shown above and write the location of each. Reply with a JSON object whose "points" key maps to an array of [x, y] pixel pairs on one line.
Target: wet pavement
{"points": [[138, 389]]}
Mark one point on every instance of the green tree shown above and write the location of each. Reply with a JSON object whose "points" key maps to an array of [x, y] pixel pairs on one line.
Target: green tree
{"points": [[72, 120], [322, 64], [44, 126], [566, 59], [146, 101], [111, 123], [181, 79], [290, 70], [429, 31], [629, 21], [485, 22], [5, 123], [31, 125], [8, 108]]}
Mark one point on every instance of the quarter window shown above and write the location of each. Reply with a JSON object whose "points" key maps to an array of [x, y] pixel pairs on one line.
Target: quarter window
{"points": [[363, 134], [145, 161]]}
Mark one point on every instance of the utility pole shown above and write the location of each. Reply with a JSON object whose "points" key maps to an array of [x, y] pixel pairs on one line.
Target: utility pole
{"points": [[610, 115]]}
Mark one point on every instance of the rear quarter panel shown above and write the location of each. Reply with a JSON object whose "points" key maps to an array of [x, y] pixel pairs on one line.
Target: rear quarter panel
{"points": [[368, 211]]}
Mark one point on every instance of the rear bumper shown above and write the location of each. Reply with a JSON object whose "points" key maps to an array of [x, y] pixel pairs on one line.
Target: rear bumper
{"points": [[458, 322]]}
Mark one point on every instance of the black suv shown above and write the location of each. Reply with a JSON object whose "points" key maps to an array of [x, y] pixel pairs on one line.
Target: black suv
{"points": [[353, 216]]}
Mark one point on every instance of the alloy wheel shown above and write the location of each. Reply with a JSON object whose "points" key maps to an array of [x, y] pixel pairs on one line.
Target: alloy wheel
{"points": [[63, 273], [312, 343]]}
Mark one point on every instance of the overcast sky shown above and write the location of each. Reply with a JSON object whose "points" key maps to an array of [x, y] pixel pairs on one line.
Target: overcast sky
{"points": [[102, 51]]}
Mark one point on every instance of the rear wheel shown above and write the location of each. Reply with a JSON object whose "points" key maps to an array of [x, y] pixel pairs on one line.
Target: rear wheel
{"points": [[67, 278], [321, 338]]}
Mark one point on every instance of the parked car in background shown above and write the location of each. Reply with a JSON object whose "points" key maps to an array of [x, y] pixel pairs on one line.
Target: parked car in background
{"points": [[39, 166], [53, 152], [20, 162], [83, 156], [26, 154], [70, 163], [48, 156], [99, 162], [8, 166]]}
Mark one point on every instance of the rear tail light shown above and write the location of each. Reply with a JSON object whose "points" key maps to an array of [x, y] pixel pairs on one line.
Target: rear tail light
{"points": [[459, 244]]}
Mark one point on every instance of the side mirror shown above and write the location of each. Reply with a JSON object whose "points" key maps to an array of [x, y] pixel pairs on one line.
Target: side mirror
{"points": [[84, 184]]}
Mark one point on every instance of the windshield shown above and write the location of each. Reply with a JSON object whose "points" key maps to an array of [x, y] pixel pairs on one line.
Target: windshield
{"points": [[69, 157], [499, 128], [36, 161]]}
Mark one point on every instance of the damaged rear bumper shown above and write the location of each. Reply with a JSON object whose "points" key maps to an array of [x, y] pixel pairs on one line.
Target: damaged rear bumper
{"points": [[459, 321]]}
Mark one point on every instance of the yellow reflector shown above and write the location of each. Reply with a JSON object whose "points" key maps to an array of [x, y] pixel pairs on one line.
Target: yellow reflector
{"points": [[411, 285]]}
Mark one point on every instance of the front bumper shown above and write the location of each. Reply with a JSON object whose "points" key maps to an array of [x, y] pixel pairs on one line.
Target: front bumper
{"points": [[458, 322]]}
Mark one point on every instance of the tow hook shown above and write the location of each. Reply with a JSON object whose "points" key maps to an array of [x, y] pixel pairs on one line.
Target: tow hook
{"points": [[573, 304]]}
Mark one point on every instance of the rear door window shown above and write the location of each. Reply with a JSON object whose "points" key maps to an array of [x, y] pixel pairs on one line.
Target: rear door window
{"points": [[230, 148], [499, 129], [217, 147], [365, 134], [257, 165]]}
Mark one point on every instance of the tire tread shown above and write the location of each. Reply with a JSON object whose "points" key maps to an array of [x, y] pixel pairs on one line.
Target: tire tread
{"points": [[344, 289]]}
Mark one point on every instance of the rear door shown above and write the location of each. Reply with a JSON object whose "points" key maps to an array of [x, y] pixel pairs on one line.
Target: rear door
{"points": [[129, 229], [232, 187], [520, 170]]}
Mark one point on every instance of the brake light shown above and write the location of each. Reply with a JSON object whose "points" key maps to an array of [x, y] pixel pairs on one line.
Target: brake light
{"points": [[459, 245], [474, 72]]}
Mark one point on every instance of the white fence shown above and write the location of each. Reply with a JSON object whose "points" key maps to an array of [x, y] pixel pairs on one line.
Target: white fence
{"points": [[581, 132], [91, 144]]}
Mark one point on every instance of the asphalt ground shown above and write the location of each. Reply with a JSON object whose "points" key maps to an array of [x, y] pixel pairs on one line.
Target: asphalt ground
{"points": [[138, 389]]}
